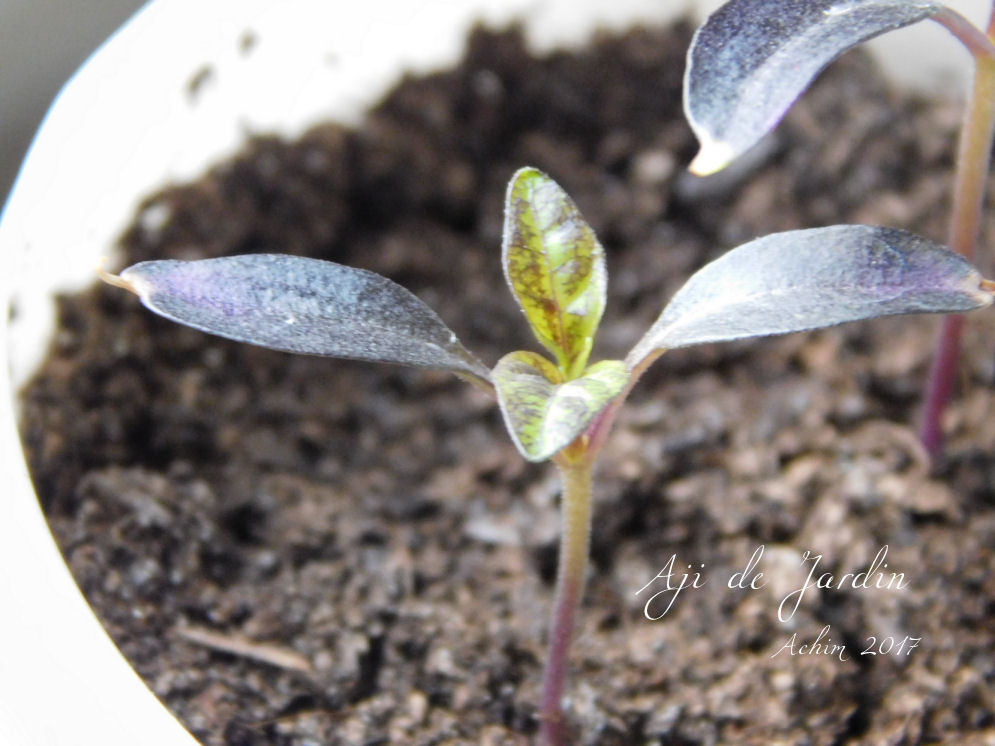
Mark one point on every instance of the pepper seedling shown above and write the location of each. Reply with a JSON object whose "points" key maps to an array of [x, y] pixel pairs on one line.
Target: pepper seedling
{"points": [[562, 407], [752, 59]]}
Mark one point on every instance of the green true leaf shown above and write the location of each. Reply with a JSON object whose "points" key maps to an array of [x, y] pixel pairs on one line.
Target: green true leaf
{"points": [[542, 412], [555, 267]]}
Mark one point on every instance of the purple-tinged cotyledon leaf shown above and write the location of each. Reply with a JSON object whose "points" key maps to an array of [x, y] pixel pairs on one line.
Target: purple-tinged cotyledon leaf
{"points": [[752, 59], [296, 304], [543, 413], [807, 279], [554, 266]]}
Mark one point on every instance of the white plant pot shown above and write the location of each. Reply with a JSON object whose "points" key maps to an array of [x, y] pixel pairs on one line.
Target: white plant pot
{"points": [[130, 117]]}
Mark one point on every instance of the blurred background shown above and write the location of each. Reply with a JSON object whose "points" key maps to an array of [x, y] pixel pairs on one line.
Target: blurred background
{"points": [[42, 42]]}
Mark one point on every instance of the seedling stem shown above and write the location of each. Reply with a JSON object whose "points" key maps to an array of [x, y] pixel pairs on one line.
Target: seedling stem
{"points": [[973, 158], [574, 464], [977, 43]]}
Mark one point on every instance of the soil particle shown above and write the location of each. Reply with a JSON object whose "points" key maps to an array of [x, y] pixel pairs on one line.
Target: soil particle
{"points": [[372, 531]]}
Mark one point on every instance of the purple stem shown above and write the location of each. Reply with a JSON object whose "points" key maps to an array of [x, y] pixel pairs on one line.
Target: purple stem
{"points": [[976, 42], [942, 376], [571, 572], [575, 463], [973, 157]]}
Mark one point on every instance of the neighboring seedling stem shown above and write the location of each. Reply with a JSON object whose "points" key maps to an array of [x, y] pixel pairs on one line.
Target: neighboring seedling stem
{"points": [[752, 59], [970, 180]]}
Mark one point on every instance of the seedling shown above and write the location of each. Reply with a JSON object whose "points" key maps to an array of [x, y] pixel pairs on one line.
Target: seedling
{"points": [[752, 59], [562, 407]]}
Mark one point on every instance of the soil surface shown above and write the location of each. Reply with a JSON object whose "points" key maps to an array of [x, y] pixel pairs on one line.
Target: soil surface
{"points": [[295, 550]]}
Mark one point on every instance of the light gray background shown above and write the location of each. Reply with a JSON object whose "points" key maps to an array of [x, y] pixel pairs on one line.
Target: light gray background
{"points": [[42, 42]]}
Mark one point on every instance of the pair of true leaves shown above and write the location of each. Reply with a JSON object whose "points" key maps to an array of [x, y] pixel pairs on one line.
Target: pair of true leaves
{"points": [[555, 267]]}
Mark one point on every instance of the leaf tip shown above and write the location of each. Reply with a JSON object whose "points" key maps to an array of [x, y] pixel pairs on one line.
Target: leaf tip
{"points": [[119, 281], [520, 180], [713, 156], [986, 291], [526, 172]]}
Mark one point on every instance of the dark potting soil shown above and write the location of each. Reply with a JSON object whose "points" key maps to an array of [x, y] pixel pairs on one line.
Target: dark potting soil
{"points": [[295, 550]]}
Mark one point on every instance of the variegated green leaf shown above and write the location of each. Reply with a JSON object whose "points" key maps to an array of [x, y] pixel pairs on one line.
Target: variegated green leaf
{"points": [[555, 267], [545, 414]]}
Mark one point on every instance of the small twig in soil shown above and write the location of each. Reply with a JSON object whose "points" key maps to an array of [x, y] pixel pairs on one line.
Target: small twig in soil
{"points": [[242, 647]]}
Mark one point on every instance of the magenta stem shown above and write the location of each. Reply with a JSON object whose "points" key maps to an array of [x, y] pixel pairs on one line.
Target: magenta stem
{"points": [[973, 39], [575, 463], [973, 157], [574, 547], [939, 391]]}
